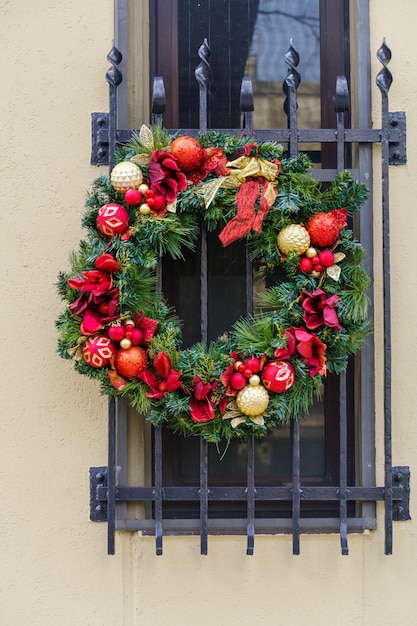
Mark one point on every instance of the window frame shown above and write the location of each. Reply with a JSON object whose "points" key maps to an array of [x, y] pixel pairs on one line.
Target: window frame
{"points": [[365, 428]]}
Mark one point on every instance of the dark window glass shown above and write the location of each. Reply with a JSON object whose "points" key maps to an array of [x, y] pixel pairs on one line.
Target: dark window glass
{"points": [[249, 37]]}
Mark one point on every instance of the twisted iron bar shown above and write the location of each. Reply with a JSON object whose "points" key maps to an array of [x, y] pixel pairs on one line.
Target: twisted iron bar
{"points": [[384, 76], [203, 74], [113, 74], [293, 78], [114, 78]]}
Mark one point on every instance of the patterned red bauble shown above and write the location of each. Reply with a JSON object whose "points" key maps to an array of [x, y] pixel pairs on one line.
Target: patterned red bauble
{"points": [[188, 153], [278, 376], [129, 363], [112, 219], [98, 351]]}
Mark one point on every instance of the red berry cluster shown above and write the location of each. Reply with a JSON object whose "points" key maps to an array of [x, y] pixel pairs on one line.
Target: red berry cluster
{"points": [[126, 334], [147, 198], [244, 371], [315, 261]]}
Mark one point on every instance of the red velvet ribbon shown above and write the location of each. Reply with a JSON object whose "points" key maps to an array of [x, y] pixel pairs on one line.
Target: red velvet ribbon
{"points": [[246, 218]]}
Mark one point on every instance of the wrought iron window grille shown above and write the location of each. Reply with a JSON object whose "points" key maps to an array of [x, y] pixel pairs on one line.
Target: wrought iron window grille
{"points": [[109, 492]]}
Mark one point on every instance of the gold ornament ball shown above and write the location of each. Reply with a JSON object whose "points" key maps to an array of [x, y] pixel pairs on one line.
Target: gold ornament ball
{"points": [[311, 253], [293, 238], [143, 188], [125, 343], [126, 175], [144, 209], [254, 379], [252, 400]]}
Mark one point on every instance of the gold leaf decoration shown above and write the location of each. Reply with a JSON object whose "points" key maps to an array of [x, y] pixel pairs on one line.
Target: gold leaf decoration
{"points": [[339, 256], [334, 272], [146, 137]]}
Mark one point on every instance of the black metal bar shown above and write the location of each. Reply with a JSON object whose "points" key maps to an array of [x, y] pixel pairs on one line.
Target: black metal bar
{"points": [[296, 486], [250, 486], [114, 78], [305, 135], [291, 83], [158, 488], [384, 80], [343, 493], [341, 107], [203, 287], [246, 105], [202, 74], [203, 495], [158, 100], [111, 478], [262, 493]]}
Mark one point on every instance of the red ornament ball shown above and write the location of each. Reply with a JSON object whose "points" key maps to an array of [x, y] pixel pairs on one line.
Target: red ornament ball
{"points": [[237, 380], [188, 153], [112, 219], [133, 197], [305, 265], [129, 363], [278, 376], [254, 364], [98, 351], [116, 333], [326, 258], [137, 337], [324, 228]]}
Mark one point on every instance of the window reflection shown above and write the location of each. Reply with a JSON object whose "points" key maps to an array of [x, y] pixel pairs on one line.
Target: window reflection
{"points": [[278, 21]]}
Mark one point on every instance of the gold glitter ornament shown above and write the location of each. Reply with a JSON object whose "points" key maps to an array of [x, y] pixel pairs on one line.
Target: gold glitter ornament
{"points": [[126, 175], [252, 400], [293, 238]]}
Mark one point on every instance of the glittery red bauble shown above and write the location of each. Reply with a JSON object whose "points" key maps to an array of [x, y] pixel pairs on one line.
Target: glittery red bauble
{"points": [[188, 153], [278, 376], [112, 219], [98, 351], [129, 363], [237, 380], [324, 229]]}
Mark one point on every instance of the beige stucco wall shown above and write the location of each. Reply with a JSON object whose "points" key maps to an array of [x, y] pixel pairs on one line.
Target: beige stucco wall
{"points": [[54, 567]]}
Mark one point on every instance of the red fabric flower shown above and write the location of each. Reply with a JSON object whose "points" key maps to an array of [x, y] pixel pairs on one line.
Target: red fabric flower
{"points": [[307, 346], [225, 378], [99, 300], [167, 380], [214, 160], [202, 405], [146, 324], [319, 310], [165, 176], [97, 310]]}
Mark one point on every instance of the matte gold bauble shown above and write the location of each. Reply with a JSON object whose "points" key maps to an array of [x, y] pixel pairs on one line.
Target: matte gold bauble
{"points": [[252, 400], [293, 238], [126, 175]]}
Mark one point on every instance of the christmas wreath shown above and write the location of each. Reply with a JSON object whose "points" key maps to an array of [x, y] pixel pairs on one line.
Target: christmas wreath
{"points": [[268, 368]]}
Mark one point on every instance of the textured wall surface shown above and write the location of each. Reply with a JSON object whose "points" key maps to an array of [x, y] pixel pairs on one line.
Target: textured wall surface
{"points": [[54, 567]]}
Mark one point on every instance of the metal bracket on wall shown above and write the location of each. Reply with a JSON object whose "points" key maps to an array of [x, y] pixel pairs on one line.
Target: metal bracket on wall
{"points": [[98, 489], [99, 139], [397, 145], [400, 491]]}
